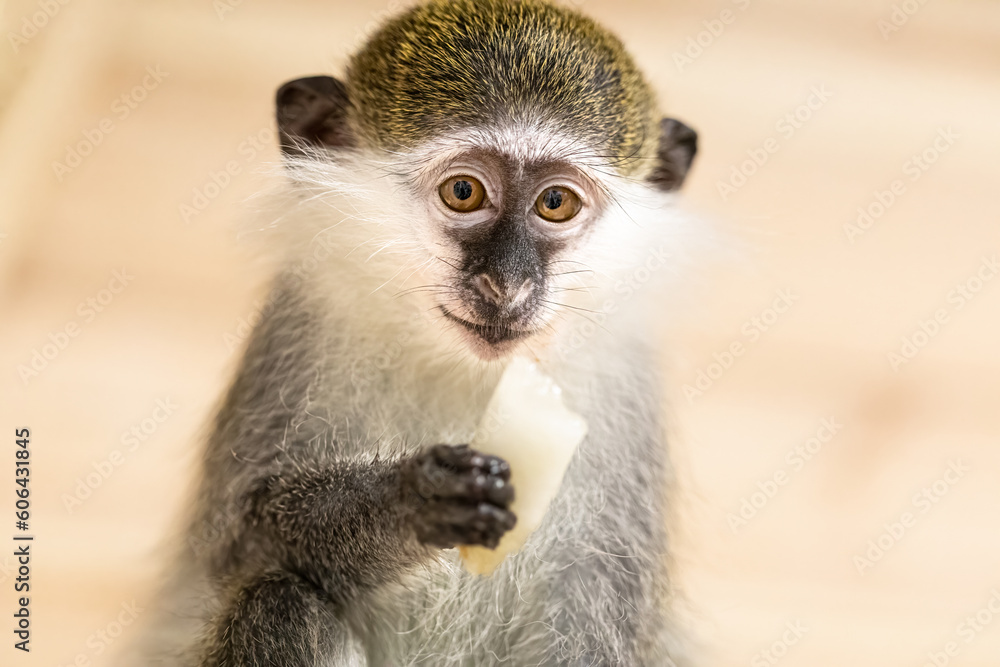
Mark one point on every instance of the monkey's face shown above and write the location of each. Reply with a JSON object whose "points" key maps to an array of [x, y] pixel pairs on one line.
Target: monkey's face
{"points": [[509, 198], [502, 230]]}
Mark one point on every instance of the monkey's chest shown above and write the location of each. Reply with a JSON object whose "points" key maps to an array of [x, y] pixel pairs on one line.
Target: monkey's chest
{"points": [[445, 617], [559, 583]]}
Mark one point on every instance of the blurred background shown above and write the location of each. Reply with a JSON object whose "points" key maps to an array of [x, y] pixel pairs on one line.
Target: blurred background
{"points": [[834, 369]]}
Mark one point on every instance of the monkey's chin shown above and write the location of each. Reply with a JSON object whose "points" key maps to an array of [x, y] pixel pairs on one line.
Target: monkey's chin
{"points": [[489, 342], [490, 351]]}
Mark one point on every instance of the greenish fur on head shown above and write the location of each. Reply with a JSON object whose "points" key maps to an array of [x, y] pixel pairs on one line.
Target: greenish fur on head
{"points": [[445, 66]]}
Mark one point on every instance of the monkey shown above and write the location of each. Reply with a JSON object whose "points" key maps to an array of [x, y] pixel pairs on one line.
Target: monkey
{"points": [[490, 178]]}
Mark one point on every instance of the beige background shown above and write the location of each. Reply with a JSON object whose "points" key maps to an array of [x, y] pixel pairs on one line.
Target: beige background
{"points": [[165, 335]]}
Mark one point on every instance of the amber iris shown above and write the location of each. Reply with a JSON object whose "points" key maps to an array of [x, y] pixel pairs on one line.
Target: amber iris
{"points": [[462, 193], [558, 204]]}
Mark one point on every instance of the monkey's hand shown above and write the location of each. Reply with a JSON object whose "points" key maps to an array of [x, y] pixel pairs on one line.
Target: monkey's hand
{"points": [[458, 496]]}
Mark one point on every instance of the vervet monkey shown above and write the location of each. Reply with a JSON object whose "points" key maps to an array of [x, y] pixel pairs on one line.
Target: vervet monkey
{"points": [[489, 177]]}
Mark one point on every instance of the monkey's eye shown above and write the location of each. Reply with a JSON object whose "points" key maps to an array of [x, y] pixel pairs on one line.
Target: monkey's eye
{"points": [[558, 204], [462, 193]]}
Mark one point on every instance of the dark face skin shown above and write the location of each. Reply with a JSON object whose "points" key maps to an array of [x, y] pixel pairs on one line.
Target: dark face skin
{"points": [[500, 256]]}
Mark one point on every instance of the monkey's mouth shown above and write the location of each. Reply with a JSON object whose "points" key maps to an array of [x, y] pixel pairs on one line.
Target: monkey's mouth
{"points": [[493, 334]]}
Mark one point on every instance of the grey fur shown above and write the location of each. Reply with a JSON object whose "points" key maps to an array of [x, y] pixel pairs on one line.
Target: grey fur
{"points": [[590, 588], [319, 536]]}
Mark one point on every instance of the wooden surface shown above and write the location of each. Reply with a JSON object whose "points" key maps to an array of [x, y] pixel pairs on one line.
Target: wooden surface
{"points": [[167, 335]]}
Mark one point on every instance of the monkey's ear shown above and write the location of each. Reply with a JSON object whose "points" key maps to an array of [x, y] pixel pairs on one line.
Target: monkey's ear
{"points": [[678, 145], [312, 112]]}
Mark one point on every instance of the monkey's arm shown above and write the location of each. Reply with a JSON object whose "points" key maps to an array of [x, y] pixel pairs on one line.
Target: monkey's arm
{"points": [[281, 492], [351, 526], [310, 542], [342, 527]]}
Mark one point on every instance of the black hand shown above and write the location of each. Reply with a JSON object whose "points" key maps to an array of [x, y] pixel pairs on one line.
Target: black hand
{"points": [[458, 496]]}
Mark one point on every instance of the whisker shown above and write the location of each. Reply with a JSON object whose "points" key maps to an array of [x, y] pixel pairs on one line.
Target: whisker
{"points": [[448, 263], [426, 288], [569, 273], [582, 288], [566, 305]]}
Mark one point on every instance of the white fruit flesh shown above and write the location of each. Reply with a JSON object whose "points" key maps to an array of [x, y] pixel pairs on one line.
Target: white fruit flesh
{"points": [[527, 425]]}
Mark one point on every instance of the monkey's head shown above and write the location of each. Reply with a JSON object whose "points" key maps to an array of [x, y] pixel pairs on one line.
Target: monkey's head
{"points": [[492, 143]]}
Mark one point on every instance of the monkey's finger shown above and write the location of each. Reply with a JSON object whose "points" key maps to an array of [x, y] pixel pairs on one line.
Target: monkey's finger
{"points": [[455, 457], [485, 518], [489, 518], [463, 457], [464, 523], [489, 526], [492, 465], [474, 487], [449, 526], [479, 488]]}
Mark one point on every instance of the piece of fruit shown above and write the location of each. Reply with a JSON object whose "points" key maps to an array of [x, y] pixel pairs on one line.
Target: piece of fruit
{"points": [[526, 424]]}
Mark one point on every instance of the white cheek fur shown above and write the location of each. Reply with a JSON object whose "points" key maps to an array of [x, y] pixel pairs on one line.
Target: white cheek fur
{"points": [[386, 256]]}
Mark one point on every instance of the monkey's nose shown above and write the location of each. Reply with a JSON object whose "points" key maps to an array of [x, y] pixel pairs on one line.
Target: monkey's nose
{"points": [[498, 295]]}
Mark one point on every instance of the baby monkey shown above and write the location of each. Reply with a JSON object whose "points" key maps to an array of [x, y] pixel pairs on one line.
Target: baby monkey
{"points": [[490, 178]]}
